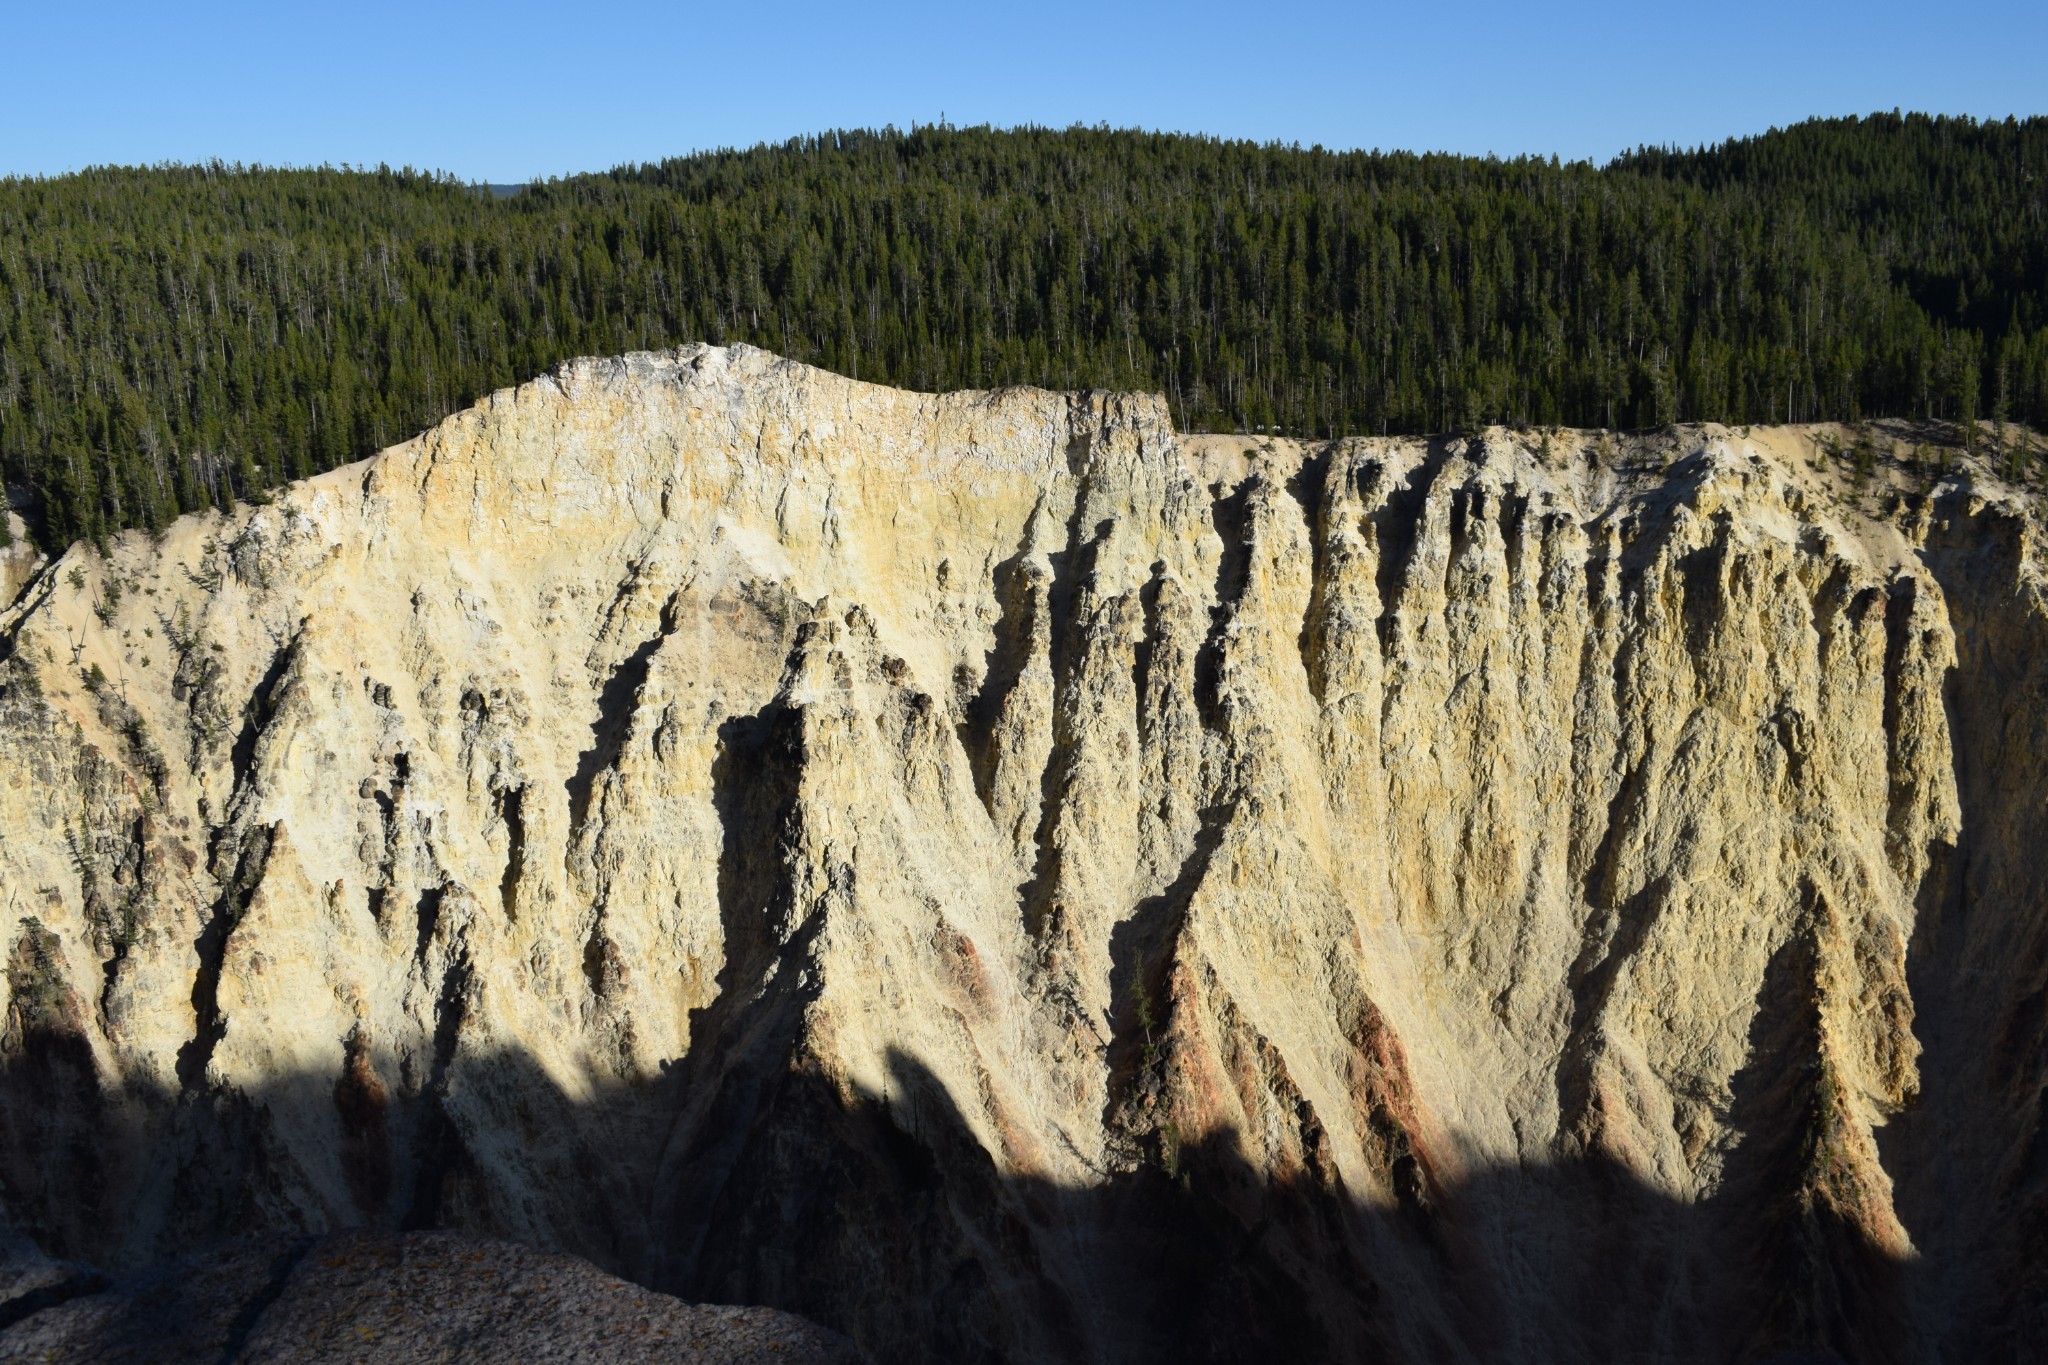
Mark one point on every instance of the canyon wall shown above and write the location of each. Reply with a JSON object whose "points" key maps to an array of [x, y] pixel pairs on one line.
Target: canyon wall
{"points": [[1008, 881]]}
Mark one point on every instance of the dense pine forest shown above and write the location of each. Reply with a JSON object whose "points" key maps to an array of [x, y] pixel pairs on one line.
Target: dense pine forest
{"points": [[188, 335]]}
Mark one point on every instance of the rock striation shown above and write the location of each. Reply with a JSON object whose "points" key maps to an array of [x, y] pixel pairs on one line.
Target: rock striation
{"points": [[1011, 882]]}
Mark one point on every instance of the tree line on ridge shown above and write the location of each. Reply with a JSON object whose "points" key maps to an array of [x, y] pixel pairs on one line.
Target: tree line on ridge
{"points": [[183, 336]]}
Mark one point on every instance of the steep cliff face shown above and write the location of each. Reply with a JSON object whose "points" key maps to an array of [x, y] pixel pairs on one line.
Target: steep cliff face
{"points": [[1011, 882]]}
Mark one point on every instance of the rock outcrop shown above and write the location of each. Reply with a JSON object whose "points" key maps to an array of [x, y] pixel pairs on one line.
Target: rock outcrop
{"points": [[1010, 882], [20, 561], [377, 1299]]}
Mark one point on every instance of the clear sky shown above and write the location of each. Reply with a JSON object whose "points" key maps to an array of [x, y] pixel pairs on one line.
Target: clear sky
{"points": [[510, 91]]}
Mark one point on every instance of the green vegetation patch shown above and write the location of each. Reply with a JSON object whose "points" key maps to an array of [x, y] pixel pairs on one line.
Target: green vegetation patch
{"points": [[179, 337]]}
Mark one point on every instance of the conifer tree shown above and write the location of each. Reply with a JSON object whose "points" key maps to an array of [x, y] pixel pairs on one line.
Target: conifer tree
{"points": [[182, 337]]}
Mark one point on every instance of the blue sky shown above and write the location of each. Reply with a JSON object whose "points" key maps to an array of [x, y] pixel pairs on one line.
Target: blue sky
{"points": [[509, 91]]}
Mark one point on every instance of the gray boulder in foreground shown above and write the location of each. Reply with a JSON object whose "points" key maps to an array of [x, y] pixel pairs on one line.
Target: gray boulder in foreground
{"points": [[376, 1298]]}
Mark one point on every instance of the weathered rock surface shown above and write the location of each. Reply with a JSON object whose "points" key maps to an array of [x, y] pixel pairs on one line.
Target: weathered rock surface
{"points": [[19, 559], [1009, 882], [378, 1298]]}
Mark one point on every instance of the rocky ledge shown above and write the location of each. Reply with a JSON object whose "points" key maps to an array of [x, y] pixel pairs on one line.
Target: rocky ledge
{"points": [[374, 1298]]}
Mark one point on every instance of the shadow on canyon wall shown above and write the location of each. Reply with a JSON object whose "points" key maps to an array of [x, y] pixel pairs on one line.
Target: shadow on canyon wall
{"points": [[887, 1220], [1969, 1159], [743, 1176]]}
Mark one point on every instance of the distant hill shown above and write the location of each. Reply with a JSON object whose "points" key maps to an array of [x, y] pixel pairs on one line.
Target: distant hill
{"points": [[174, 337]]}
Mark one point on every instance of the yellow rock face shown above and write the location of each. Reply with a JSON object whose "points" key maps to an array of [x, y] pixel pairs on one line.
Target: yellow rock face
{"points": [[790, 840]]}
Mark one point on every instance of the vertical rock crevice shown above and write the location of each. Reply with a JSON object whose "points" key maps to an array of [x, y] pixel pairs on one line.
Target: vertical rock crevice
{"points": [[1386, 898]]}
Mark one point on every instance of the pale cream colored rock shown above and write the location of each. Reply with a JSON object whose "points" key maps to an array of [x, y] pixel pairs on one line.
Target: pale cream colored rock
{"points": [[19, 560], [669, 732]]}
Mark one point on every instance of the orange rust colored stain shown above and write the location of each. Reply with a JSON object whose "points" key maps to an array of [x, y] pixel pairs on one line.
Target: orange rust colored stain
{"points": [[364, 1107], [1388, 1113]]}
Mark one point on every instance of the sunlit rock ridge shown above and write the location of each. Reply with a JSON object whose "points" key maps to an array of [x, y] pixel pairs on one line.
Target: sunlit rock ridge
{"points": [[1012, 882]]}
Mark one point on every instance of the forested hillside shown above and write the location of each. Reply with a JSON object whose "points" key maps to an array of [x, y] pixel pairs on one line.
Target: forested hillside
{"points": [[180, 336]]}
